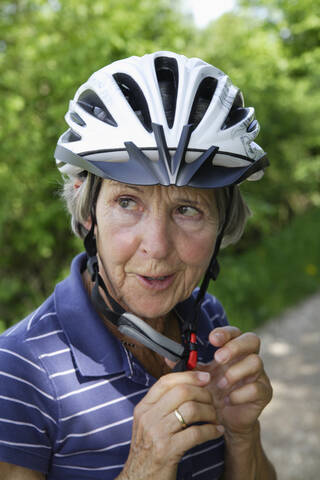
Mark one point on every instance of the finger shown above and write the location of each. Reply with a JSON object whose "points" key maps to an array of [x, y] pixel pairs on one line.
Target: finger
{"points": [[158, 418], [221, 335], [257, 392], [242, 345], [196, 435], [250, 366], [191, 412], [179, 395], [171, 380]]}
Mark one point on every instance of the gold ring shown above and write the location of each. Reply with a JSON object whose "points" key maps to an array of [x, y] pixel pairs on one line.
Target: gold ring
{"points": [[180, 418]]}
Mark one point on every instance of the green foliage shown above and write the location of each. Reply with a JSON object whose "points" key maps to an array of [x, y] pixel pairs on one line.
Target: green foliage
{"points": [[47, 49], [270, 49], [251, 47], [259, 284]]}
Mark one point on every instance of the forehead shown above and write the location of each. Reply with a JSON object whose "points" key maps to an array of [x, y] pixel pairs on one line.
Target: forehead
{"points": [[173, 192]]}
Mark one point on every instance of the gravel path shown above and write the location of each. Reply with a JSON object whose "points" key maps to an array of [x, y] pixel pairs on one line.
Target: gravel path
{"points": [[291, 422]]}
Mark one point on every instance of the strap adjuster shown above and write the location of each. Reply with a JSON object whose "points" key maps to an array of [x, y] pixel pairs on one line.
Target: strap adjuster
{"points": [[92, 266]]}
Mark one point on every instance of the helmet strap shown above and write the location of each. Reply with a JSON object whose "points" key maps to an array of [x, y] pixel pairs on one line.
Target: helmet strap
{"points": [[135, 327], [190, 328]]}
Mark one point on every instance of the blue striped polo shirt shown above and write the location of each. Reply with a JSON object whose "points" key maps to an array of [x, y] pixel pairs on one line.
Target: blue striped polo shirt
{"points": [[69, 387]]}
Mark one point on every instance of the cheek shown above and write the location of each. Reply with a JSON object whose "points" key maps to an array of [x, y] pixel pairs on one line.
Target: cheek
{"points": [[117, 244], [197, 250]]}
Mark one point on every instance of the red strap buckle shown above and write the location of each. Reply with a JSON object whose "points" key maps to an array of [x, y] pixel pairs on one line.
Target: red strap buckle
{"points": [[193, 355]]}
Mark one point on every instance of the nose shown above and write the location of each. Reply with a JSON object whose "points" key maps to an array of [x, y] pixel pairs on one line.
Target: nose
{"points": [[156, 238]]}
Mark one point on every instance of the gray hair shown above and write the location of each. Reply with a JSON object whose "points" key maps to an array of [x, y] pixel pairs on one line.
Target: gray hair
{"points": [[80, 201]]}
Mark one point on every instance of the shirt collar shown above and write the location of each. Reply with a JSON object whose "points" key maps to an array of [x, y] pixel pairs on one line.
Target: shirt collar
{"points": [[96, 351]]}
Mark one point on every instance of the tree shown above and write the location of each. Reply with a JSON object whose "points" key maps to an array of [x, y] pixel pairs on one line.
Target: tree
{"points": [[47, 49], [270, 66]]}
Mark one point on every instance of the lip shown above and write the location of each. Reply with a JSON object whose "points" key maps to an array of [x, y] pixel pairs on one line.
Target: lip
{"points": [[156, 284]]}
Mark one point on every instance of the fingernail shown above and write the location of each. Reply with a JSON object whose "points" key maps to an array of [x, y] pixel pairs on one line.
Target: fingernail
{"points": [[219, 337], [221, 356], [203, 376], [220, 428]]}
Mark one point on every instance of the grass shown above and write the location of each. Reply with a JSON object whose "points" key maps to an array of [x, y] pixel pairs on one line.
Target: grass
{"points": [[283, 270]]}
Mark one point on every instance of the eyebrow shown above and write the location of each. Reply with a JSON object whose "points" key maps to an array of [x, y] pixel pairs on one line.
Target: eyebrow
{"points": [[187, 200], [121, 186], [133, 187]]}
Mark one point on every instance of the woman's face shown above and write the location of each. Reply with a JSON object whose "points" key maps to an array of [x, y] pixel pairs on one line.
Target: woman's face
{"points": [[154, 243]]}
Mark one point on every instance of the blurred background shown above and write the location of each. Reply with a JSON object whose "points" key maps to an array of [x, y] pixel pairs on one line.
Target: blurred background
{"points": [[270, 49]]}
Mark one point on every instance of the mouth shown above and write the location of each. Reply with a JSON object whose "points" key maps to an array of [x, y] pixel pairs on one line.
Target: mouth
{"points": [[160, 282], [156, 278]]}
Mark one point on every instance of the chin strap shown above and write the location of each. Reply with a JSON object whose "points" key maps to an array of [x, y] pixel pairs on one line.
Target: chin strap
{"points": [[129, 324]]}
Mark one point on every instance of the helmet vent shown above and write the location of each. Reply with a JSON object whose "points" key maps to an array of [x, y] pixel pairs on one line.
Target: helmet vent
{"points": [[168, 79], [237, 112], [70, 136], [135, 98], [202, 100], [92, 104], [77, 119]]}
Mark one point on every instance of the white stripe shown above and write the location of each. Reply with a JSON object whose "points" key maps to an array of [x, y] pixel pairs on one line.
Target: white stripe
{"points": [[129, 357], [30, 445], [11, 399], [44, 335], [18, 379], [81, 390], [199, 340], [105, 449], [47, 315], [41, 318], [5, 420], [30, 321], [22, 358], [13, 329], [205, 302], [207, 469], [66, 372], [148, 380], [102, 405], [89, 469], [203, 451], [217, 315], [96, 430], [52, 354]]}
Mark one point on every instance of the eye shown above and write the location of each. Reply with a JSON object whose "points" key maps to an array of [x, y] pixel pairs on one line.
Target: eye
{"points": [[188, 211], [127, 203]]}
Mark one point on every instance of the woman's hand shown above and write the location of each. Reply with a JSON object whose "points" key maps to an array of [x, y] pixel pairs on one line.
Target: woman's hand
{"points": [[158, 438], [239, 385]]}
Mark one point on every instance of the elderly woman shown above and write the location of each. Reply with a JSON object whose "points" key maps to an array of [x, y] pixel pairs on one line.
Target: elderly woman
{"points": [[128, 370]]}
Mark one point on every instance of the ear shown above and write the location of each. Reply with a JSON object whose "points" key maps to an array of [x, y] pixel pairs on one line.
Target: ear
{"points": [[88, 223], [77, 183]]}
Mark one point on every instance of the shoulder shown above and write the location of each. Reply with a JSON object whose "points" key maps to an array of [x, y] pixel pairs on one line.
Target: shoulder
{"points": [[19, 357], [27, 401]]}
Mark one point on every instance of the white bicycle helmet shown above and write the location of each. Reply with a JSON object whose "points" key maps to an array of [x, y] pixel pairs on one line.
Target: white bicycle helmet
{"points": [[161, 119]]}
